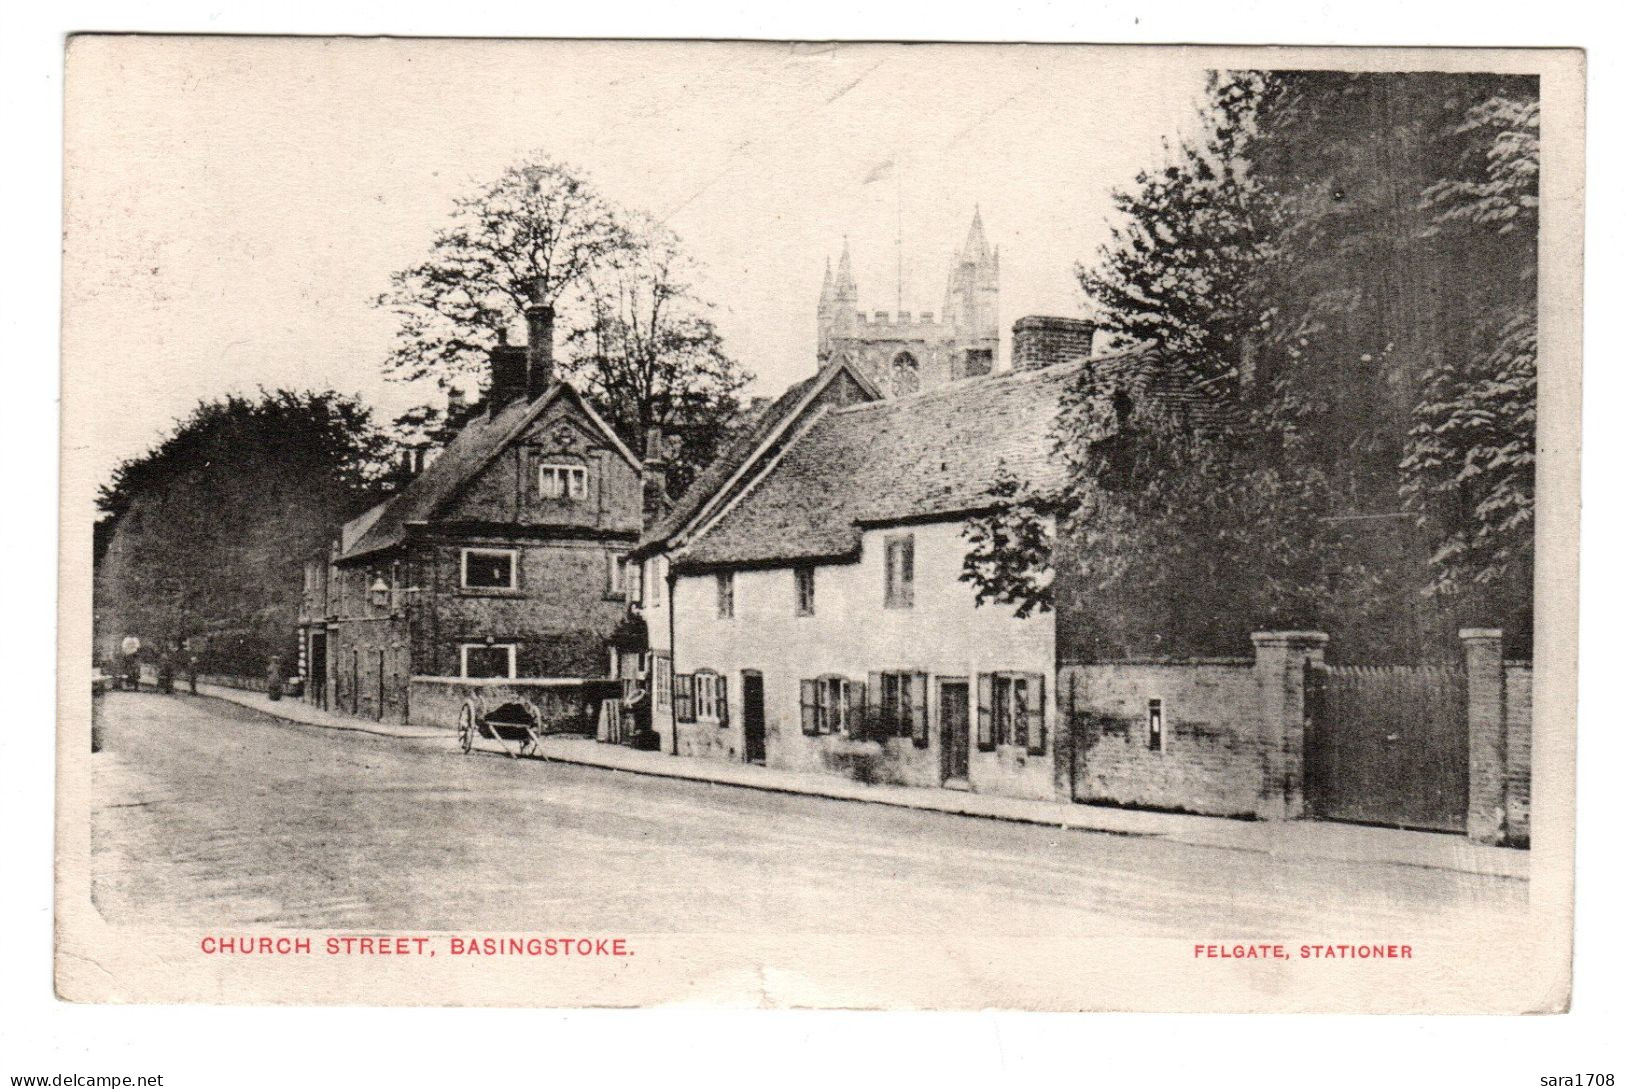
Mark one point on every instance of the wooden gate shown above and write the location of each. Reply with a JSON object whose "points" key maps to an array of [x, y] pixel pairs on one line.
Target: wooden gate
{"points": [[1386, 745]]}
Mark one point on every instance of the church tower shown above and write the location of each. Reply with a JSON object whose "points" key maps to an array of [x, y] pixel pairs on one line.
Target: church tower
{"points": [[904, 353], [971, 304], [837, 305]]}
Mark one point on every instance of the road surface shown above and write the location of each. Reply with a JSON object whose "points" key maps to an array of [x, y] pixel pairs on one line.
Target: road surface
{"points": [[214, 815]]}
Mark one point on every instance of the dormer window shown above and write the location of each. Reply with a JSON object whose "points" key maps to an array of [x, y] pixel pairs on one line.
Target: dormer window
{"points": [[563, 481]]}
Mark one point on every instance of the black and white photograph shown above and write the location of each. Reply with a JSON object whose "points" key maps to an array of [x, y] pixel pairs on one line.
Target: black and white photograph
{"points": [[858, 526]]}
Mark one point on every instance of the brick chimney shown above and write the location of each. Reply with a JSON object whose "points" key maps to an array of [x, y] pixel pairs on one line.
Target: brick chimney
{"points": [[1042, 341], [654, 470], [507, 377], [538, 349]]}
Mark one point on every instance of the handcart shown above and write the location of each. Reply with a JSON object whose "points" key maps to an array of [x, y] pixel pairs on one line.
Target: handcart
{"points": [[515, 721]]}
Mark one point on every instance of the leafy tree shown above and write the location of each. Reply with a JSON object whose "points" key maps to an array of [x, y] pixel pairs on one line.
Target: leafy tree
{"points": [[646, 351], [532, 235], [1470, 466], [639, 337], [1340, 272], [206, 535]]}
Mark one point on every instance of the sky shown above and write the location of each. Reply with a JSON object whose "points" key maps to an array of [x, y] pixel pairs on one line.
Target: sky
{"points": [[233, 206]]}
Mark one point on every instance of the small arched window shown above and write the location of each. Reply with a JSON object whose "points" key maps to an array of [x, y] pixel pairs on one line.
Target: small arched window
{"points": [[905, 374]]}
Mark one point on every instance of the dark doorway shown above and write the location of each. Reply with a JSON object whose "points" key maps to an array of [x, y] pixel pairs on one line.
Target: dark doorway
{"points": [[953, 707], [318, 670], [755, 718]]}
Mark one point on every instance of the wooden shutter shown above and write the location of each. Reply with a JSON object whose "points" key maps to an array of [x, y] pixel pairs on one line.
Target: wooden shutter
{"points": [[722, 700], [874, 710], [809, 707], [1035, 714], [856, 708], [921, 724], [683, 696], [1020, 697], [984, 712]]}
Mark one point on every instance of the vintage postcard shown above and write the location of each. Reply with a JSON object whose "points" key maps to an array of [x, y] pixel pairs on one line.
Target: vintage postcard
{"points": [[613, 523]]}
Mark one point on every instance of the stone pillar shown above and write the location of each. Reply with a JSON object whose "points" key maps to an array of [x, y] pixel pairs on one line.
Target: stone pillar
{"points": [[1486, 735], [1278, 662]]}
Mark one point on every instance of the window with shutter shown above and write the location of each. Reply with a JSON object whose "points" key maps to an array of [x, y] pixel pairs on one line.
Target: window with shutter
{"points": [[874, 711], [1018, 711], [920, 724], [683, 697], [1035, 714], [809, 707], [984, 712]]}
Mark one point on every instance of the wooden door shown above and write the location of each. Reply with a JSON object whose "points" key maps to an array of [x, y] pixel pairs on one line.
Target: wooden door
{"points": [[755, 717], [953, 709]]}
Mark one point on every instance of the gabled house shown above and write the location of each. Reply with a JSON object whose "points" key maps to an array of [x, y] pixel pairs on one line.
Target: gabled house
{"points": [[808, 592], [504, 558]]}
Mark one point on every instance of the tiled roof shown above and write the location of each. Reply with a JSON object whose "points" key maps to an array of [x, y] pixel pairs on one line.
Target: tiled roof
{"points": [[725, 464], [930, 454], [481, 439]]}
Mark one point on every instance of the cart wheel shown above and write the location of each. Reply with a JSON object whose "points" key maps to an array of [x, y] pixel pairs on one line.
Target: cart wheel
{"points": [[465, 727], [527, 747]]}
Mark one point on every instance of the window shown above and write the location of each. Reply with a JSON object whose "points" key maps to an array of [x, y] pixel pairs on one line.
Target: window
{"points": [[488, 659], [831, 705], [622, 576], [662, 681], [900, 707], [1153, 723], [651, 582], [702, 697], [900, 572], [725, 595], [563, 481], [1010, 711], [489, 568], [905, 375], [804, 591]]}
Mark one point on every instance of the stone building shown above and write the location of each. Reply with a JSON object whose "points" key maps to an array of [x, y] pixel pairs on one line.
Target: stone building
{"points": [[503, 558], [903, 353]]}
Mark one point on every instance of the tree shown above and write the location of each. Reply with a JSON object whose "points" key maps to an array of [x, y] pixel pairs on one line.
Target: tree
{"points": [[1188, 241], [1344, 267], [645, 350], [1470, 465], [206, 534], [530, 236]]}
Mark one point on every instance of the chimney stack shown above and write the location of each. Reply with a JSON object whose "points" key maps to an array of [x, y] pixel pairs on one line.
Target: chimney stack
{"points": [[1038, 341], [539, 349], [654, 470], [507, 377]]}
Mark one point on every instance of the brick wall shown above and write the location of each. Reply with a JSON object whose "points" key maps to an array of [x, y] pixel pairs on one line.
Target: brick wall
{"points": [[1209, 760], [1038, 341]]}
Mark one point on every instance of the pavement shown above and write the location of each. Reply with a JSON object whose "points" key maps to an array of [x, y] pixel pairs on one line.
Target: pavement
{"points": [[1321, 840]]}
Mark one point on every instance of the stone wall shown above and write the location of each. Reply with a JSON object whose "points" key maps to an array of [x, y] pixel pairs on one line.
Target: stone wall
{"points": [[1520, 678]]}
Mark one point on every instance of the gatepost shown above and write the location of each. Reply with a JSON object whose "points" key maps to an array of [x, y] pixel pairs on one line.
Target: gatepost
{"points": [[1278, 663], [1486, 735]]}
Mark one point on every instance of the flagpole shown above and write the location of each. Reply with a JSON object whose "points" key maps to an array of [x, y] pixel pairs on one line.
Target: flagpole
{"points": [[898, 159]]}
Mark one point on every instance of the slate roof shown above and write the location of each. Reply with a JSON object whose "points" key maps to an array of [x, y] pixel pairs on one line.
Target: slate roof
{"points": [[931, 454], [481, 439]]}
